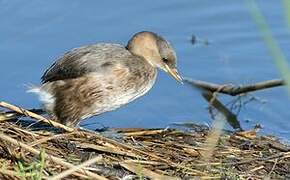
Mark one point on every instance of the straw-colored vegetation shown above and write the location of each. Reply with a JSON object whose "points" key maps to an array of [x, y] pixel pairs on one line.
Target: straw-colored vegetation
{"points": [[29, 152]]}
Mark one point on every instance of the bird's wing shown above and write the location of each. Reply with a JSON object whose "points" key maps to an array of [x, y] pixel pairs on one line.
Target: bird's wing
{"points": [[84, 60]]}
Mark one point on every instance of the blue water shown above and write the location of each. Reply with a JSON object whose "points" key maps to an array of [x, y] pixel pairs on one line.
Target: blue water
{"points": [[34, 33]]}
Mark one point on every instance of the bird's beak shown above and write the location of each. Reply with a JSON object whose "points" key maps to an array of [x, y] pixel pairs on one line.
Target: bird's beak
{"points": [[173, 72]]}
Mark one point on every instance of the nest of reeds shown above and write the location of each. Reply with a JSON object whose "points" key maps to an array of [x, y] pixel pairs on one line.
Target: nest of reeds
{"points": [[27, 152]]}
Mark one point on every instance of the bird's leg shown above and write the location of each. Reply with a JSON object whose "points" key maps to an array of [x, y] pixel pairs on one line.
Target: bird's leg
{"points": [[105, 131]]}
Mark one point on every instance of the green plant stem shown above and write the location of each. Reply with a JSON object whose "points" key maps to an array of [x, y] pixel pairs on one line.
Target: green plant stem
{"points": [[286, 6], [271, 43]]}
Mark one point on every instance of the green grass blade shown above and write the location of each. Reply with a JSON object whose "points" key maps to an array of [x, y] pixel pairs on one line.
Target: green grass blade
{"points": [[286, 6], [271, 43]]}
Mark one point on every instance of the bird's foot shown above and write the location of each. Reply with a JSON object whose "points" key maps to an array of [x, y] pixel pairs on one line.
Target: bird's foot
{"points": [[104, 131]]}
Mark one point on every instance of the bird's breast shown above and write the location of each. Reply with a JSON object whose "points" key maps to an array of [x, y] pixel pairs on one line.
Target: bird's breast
{"points": [[122, 88]]}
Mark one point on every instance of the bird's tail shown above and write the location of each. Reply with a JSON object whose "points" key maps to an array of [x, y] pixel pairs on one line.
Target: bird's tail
{"points": [[9, 115]]}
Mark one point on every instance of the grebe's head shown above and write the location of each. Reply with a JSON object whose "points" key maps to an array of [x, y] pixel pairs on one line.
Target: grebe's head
{"points": [[156, 50]]}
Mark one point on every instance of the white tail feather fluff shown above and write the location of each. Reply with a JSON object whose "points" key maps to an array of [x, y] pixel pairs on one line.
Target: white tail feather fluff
{"points": [[45, 97]]}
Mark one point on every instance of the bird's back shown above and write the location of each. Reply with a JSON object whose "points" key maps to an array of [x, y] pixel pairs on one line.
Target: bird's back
{"points": [[86, 59]]}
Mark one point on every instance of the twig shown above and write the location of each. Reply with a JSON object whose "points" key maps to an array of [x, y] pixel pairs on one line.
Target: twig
{"points": [[257, 169], [106, 149], [8, 115], [35, 116], [53, 158], [76, 168], [49, 138], [145, 132], [145, 162], [10, 173], [209, 90], [25, 131], [272, 169], [235, 90], [133, 167]]}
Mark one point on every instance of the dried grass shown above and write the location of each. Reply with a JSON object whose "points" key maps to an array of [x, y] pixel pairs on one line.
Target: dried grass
{"points": [[30, 153]]}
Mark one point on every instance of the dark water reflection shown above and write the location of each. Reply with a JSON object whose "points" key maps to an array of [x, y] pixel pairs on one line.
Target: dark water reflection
{"points": [[33, 33]]}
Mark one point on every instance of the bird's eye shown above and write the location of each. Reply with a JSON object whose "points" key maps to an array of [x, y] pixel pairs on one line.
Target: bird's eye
{"points": [[165, 60]]}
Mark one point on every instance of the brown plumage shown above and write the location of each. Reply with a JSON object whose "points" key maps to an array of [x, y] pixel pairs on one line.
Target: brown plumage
{"points": [[94, 79]]}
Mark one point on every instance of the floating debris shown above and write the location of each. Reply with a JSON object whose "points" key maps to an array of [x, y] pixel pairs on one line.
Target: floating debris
{"points": [[195, 40]]}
